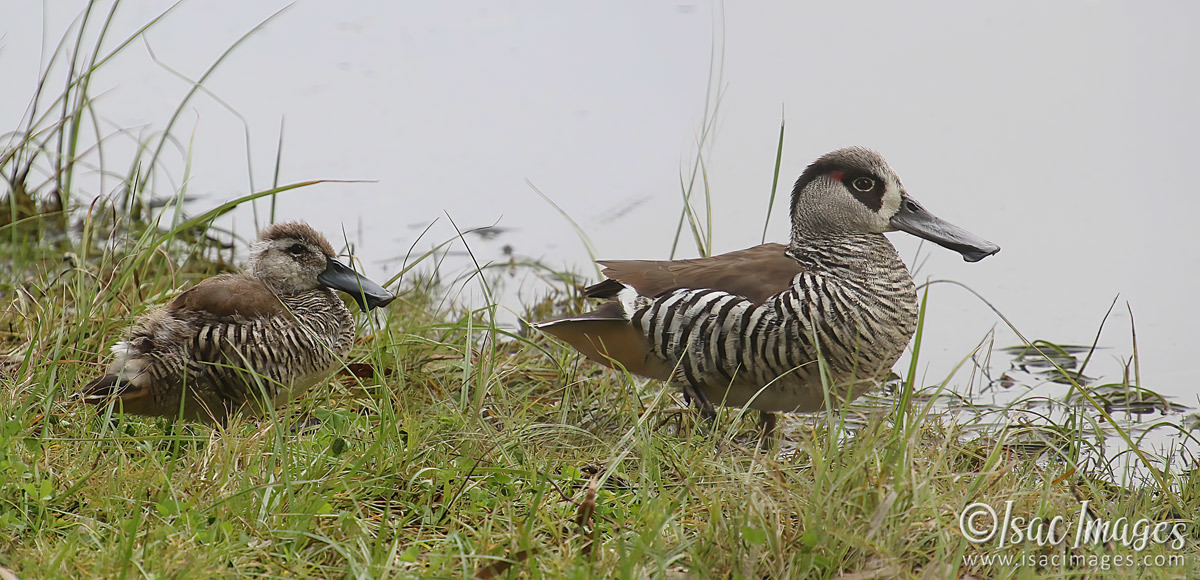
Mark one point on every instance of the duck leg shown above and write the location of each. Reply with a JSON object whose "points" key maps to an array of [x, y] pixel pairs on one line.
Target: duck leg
{"points": [[695, 397], [766, 424]]}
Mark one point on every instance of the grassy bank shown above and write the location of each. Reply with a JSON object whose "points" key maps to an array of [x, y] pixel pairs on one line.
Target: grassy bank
{"points": [[445, 452]]}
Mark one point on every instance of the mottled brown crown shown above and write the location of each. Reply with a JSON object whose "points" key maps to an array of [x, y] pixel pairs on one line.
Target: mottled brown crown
{"points": [[299, 231]]}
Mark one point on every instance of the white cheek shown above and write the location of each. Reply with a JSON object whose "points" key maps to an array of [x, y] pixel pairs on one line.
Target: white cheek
{"points": [[891, 205]]}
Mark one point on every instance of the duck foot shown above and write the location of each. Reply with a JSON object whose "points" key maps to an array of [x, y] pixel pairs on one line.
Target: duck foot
{"points": [[306, 425]]}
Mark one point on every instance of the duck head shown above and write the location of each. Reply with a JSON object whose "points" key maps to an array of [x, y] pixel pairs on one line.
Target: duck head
{"points": [[854, 191], [292, 257]]}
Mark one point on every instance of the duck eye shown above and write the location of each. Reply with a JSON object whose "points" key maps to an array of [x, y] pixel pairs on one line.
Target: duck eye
{"points": [[297, 249], [863, 183]]}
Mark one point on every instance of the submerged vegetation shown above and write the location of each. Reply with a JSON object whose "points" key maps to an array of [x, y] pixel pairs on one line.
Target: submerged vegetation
{"points": [[450, 446]]}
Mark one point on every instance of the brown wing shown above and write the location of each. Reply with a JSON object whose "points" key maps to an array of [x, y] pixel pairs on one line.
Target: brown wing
{"points": [[756, 273], [227, 297], [604, 336]]}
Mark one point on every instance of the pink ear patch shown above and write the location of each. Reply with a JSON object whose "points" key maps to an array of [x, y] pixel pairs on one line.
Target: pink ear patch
{"points": [[836, 175]]}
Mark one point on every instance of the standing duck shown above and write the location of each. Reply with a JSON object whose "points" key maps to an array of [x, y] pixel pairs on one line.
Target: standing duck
{"points": [[242, 342], [746, 328]]}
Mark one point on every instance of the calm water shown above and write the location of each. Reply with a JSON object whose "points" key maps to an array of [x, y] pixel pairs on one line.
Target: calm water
{"points": [[1072, 148]]}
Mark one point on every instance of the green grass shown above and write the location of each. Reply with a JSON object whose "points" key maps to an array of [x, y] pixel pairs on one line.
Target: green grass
{"points": [[455, 453], [452, 448]]}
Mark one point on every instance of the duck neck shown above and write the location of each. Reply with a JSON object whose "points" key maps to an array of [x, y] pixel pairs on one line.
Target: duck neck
{"points": [[846, 255]]}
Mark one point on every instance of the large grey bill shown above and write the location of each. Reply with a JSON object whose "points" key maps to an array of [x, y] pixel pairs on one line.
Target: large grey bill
{"points": [[366, 293], [914, 219]]}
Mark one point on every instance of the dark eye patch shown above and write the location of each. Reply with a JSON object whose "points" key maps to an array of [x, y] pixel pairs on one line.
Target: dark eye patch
{"points": [[872, 197], [297, 249]]}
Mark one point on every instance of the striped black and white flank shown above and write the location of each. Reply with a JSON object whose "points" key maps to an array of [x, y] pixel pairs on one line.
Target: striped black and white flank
{"points": [[224, 364], [854, 303], [279, 354]]}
